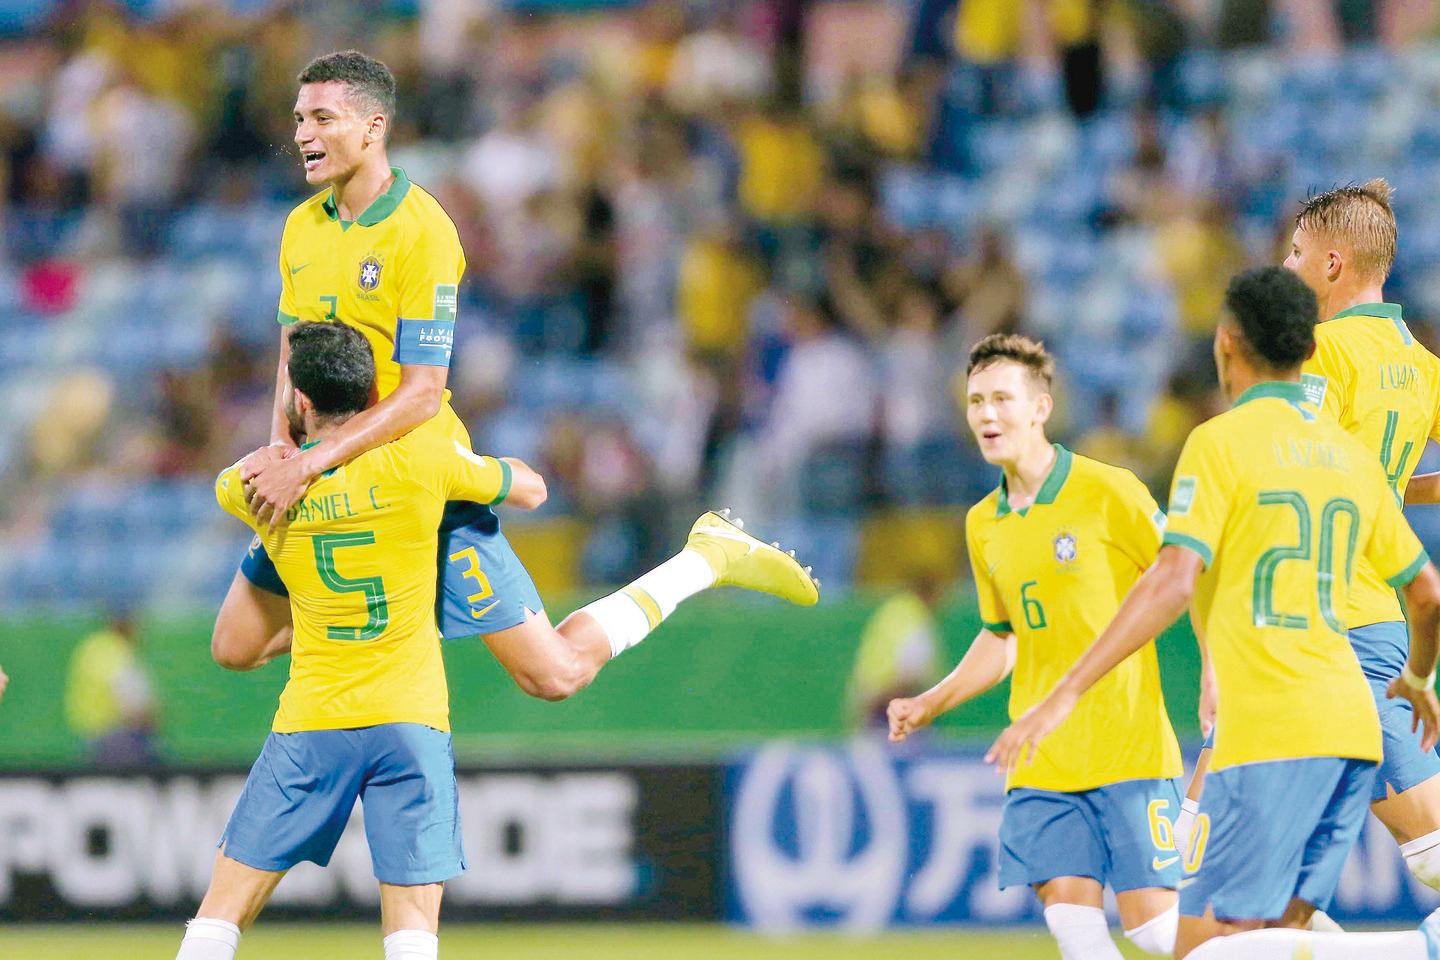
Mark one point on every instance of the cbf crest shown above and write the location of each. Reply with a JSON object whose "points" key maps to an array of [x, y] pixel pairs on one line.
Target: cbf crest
{"points": [[1065, 548], [370, 273]]}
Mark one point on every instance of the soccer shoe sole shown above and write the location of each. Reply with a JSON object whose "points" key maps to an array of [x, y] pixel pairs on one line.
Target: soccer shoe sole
{"points": [[752, 564]]}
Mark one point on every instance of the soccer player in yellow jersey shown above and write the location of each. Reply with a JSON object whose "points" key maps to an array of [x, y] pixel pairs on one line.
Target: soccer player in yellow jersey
{"points": [[376, 252], [1053, 549], [1271, 508], [1371, 375], [365, 712]]}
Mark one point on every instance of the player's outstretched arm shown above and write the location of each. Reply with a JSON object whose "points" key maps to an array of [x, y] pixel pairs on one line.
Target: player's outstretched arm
{"points": [[527, 487], [988, 661], [1417, 683], [1156, 600], [279, 485], [1423, 488]]}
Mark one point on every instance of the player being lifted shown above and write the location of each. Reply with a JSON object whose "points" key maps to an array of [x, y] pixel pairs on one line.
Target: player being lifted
{"points": [[1271, 508], [1053, 549], [366, 710], [378, 253], [1381, 385]]}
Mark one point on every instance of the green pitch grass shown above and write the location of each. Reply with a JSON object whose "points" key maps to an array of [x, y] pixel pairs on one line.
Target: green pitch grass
{"points": [[524, 941]]}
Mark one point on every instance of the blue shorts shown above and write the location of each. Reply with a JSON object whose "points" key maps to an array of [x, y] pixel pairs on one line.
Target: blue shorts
{"points": [[1382, 649], [302, 788], [490, 593], [1271, 832], [1105, 834]]}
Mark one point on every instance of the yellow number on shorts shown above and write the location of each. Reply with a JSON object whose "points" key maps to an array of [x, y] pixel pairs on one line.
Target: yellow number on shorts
{"points": [[475, 573], [1199, 839], [1162, 834]]}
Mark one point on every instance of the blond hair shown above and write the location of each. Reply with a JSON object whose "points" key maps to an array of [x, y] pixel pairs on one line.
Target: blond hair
{"points": [[1361, 215], [1016, 348]]}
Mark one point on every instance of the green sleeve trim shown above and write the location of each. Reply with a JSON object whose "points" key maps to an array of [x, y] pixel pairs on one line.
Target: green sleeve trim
{"points": [[506, 475], [1409, 573], [1173, 539], [1002, 627], [284, 319]]}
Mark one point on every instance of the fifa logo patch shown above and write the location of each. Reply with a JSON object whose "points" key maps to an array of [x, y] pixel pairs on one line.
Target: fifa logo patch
{"points": [[369, 273], [1065, 548]]}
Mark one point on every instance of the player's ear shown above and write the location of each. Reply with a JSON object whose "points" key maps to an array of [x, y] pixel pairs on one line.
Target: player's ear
{"points": [[1044, 406], [1334, 263], [375, 129]]}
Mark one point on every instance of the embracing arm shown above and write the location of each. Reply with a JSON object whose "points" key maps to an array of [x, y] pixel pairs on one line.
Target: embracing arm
{"points": [[279, 484], [1156, 601], [1423, 488], [988, 661]]}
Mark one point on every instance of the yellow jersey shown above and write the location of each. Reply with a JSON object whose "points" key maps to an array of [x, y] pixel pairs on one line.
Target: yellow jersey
{"points": [[1281, 504], [1370, 374], [393, 274], [358, 555], [1053, 574]]}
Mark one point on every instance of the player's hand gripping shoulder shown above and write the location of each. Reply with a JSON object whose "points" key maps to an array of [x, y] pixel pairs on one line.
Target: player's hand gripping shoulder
{"points": [[1021, 739], [277, 485]]}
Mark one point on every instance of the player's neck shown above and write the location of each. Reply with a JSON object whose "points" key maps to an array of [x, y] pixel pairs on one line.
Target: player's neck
{"points": [[354, 196], [1351, 296], [1243, 378], [1025, 477]]}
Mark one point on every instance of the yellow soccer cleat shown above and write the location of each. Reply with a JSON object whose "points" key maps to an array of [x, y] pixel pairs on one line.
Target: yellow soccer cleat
{"points": [[740, 560]]}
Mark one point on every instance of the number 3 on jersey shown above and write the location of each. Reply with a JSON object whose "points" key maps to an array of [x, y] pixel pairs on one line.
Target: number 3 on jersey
{"points": [[473, 571]]}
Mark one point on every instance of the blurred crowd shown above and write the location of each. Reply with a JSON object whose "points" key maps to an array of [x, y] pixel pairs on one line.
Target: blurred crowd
{"points": [[717, 251]]}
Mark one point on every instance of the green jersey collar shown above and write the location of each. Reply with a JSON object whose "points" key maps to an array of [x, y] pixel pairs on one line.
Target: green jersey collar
{"points": [[310, 443], [1288, 390], [1390, 311], [1385, 311], [380, 208], [1049, 490]]}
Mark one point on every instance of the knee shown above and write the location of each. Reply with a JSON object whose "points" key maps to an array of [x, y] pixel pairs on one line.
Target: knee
{"points": [[552, 685], [1157, 935]]}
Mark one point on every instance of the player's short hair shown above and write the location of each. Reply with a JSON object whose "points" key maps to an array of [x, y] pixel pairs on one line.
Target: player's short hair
{"points": [[367, 79], [1360, 214], [1276, 313], [1015, 348], [332, 364]]}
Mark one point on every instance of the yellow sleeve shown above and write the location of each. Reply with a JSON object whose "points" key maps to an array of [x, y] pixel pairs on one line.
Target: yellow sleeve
{"points": [[1393, 549], [429, 297], [992, 610], [1199, 496], [230, 494], [1327, 378], [1135, 521], [289, 312], [470, 476]]}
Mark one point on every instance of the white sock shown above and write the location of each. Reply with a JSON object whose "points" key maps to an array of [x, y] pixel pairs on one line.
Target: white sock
{"points": [[207, 939], [1157, 935], [630, 613], [1081, 932], [1185, 826], [1422, 856], [412, 945], [1279, 944]]}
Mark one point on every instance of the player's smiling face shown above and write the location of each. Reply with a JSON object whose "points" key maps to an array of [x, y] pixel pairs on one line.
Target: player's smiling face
{"points": [[1006, 410], [332, 131]]}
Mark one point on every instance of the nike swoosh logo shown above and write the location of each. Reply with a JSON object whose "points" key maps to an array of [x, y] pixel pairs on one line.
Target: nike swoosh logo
{"points": [[295, 270], [477, 614], [1158, 864]]}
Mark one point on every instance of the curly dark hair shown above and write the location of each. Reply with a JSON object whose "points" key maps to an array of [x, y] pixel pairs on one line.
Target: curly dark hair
{"points": [[367, 79], [1276, 313], [332, 364]]}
